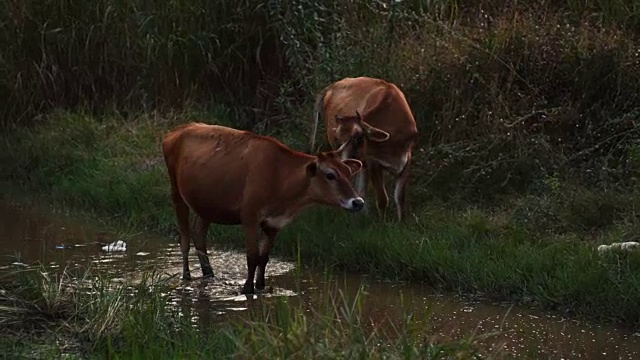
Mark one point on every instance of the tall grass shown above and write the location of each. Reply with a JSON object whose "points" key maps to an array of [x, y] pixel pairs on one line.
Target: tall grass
{"points": [[505, 93], [132, 321], [134, 55]]}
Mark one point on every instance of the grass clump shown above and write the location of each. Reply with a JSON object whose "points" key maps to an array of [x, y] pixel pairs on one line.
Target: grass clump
{"points": [[118, 320]]}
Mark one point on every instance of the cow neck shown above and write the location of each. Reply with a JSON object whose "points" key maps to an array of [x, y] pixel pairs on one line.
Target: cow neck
{"points": [[294, 197]]}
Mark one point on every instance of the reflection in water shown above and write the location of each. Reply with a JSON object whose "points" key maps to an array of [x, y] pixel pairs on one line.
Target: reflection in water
{"points": [[521, 331], [28, 236]]}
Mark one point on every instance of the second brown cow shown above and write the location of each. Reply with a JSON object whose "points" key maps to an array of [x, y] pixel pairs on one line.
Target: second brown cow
{"points": [[229, 176], [370, 120]]}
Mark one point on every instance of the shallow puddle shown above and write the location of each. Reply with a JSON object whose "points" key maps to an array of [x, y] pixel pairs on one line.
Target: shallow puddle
{"points": [[29, 236]]}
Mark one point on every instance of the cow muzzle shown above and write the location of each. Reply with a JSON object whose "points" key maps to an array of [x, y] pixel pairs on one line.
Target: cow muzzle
{"points": [[353, 204]]}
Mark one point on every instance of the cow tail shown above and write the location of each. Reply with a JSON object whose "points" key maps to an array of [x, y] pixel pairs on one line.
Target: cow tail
{"points": [[317, 110]]}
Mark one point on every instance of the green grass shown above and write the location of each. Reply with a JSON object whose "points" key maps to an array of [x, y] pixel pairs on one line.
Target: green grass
{"points": [[471, 254], [539, 250], [100, 319]]}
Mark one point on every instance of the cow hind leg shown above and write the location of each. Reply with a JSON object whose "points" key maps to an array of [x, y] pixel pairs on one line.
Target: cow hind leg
{"points": [[182, 214], [399, 192], [264, 250], [377, 181], [200, 243], [253, 254]]}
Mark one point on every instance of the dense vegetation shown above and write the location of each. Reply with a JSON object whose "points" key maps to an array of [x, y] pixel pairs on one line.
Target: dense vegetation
{"points": [[505, 93], [529, 151]]}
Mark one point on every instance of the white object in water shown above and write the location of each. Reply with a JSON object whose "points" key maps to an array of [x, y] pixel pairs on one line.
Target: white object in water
{"points": [[629, 245], [116, 246], [142, 253]]}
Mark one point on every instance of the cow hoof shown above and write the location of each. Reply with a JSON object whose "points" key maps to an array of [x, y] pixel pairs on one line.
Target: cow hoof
{"points": [[247, 290], [265, 290], [186, 277], [207, 274]]}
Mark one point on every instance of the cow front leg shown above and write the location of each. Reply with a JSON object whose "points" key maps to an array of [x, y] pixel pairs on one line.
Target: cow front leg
{"points": [[361, 187], [253, 254], [265, 250], [200, 242]]}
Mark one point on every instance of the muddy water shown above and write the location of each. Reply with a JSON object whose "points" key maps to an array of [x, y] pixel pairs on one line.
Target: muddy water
{"points": [[29, 236]]}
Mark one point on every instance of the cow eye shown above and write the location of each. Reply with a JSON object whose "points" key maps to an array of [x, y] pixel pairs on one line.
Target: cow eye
{"points": [[331, 176]]}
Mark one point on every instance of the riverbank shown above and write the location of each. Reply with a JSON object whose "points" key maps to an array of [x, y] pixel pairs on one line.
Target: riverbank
{"points": [[529, 249]]}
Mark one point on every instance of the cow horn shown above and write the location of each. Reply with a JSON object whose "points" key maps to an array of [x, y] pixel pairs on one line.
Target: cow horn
{"points": [[339, 150]]}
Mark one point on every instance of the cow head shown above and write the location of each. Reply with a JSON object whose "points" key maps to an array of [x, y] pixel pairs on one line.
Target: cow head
{"points": [[330, 181], [354, 134]]}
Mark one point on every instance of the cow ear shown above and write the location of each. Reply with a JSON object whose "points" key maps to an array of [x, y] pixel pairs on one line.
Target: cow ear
{"points": [[375, 134], [312, 169], [354, 165]]}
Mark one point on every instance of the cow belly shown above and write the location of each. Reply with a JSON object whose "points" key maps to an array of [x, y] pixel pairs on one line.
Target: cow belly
{"points": [[394, 165], [218, 215], [214, 207], [214, 196]]}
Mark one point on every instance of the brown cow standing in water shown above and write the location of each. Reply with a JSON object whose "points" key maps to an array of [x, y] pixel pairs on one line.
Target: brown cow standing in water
{"points": [[229, 176], [371, 120]]}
